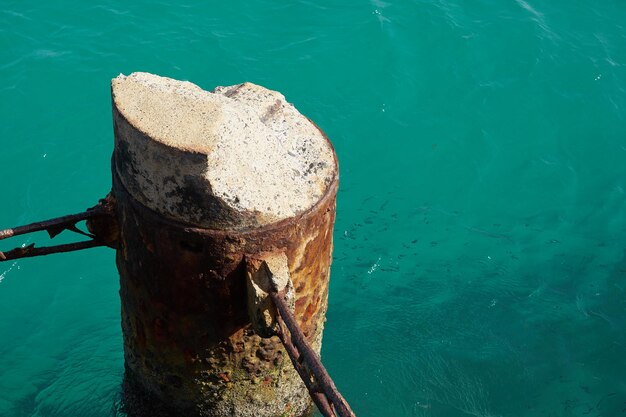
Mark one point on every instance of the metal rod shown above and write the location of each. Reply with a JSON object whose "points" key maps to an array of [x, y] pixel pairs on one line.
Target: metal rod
{"points": [[315, 365], [31, 251], [47, 224]]}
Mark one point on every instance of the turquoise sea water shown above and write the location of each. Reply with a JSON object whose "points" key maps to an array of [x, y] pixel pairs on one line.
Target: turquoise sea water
{"points": [[480, 245]]}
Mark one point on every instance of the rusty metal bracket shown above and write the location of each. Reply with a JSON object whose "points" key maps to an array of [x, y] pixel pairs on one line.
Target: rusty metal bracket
{"points": [[101, 224], [307, 363]]}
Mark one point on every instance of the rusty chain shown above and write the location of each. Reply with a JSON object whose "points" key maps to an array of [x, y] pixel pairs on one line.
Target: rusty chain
{"points": [[307, 363]]}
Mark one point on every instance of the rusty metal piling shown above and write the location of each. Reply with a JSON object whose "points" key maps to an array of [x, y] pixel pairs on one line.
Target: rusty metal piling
{"points": [[203, 181]]}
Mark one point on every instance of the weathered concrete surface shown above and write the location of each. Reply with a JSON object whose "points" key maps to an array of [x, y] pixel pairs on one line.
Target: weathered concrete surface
{"points": [[192, 206], [235, 158]]}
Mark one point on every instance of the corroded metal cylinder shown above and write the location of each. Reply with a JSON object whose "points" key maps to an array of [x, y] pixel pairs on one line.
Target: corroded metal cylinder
{"points": [[188, 219]]}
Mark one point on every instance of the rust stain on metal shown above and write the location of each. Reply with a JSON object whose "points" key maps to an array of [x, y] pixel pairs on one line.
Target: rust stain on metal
{"points": [[187, 334], [104, 226]]}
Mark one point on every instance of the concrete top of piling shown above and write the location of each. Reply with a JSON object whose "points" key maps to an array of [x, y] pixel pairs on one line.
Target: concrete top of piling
{"points": [[234, 158]]}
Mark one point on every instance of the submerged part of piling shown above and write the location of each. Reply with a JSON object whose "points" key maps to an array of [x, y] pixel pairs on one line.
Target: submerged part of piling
{"points": [[202, 181]]}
